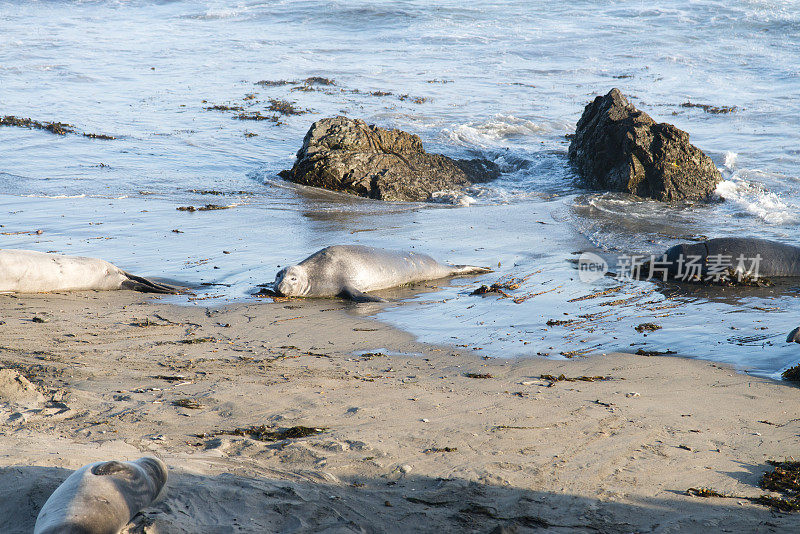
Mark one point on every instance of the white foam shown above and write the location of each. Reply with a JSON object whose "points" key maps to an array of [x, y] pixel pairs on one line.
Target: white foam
{"points": [[456, 198], [55, 196], [730, 160], [495, 132], [756, 200]]}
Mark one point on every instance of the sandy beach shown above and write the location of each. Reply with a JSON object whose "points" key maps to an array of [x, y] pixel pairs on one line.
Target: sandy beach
{"points": [[409, 441]]}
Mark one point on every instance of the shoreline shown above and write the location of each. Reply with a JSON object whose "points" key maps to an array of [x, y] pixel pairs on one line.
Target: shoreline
{"points": [[405, 426]]}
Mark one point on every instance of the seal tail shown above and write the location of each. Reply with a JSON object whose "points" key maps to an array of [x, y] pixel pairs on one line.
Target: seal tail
{"points": [[137, 283], [470, 269]]}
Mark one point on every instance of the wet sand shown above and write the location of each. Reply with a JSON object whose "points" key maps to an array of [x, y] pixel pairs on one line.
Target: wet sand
{"points": [[410, 442]]}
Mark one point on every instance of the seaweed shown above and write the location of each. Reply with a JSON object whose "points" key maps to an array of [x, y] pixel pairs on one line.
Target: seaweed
{"points": [[478, 375], [284, 107], [257, 116], [99, 136], [438, 449], [318, 80], [207, 207], [714, 110], [372, 355], [264, 433], [792, 374], [380, 93], [275, 83], [783, 479], [563, 378], [170, 378], [194, 340], [414, 99], [222, 107], [188, 403], [596, 295], [58, 128], [647, 327], [509, 283], [704, 492], [559, 322], [642, 352]]}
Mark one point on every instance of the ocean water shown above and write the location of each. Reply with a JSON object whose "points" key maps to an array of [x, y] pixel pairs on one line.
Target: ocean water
{"points": [[503, 80]]}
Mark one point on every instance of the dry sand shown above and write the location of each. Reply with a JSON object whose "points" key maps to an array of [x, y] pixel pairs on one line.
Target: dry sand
{"points": [[410, 443]]}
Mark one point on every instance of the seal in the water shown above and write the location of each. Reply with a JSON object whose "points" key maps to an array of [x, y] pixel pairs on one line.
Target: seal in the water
{"points": [[749, 255], [351, 270], [27, 271], [794, 336], [102, 497]]}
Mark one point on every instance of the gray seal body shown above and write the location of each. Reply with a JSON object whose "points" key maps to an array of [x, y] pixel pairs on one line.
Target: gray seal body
{"points": [[102, 497], [351, 270], [28, 271], [761, 257]]}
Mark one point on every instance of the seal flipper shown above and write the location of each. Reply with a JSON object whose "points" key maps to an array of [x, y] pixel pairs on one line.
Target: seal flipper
{"points": [[470, 269], [137, 283], [358, 296]]}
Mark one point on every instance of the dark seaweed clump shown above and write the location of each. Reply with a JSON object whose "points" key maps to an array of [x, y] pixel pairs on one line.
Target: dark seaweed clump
{"points": [[562, 378], [257, 116], [318, 80], [58, 128], [223, 107], [478, 375], [714, 110], [264, 433], [207, 207], [284, 107], [792, 374], [784, 479], [274, 83]]}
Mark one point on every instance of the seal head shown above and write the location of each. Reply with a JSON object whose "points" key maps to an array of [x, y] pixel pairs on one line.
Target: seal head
{"points": [[292, 282]]}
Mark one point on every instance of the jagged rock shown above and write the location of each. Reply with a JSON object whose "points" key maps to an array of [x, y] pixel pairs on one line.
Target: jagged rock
{"points": [[348, 155], [619, 148]]}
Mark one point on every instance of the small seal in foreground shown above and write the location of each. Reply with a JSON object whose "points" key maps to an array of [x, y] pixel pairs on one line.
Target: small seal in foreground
{"points": [[351, 270], [28, 271], [102, 497]]}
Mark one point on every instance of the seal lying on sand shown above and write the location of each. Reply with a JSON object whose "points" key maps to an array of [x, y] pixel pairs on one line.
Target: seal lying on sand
{"points": [[27, 271], [746, 255], [350, 270], [102, 497]]}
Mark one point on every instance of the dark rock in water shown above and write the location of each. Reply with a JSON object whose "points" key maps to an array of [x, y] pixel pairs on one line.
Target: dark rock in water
{"points": [[348, 155], [619, 148]]}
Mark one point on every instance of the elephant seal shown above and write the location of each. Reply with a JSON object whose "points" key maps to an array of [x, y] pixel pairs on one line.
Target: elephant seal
{"points": [[102, 497], [27, 271], [351, 270], [745, 255], [794, 336]]}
